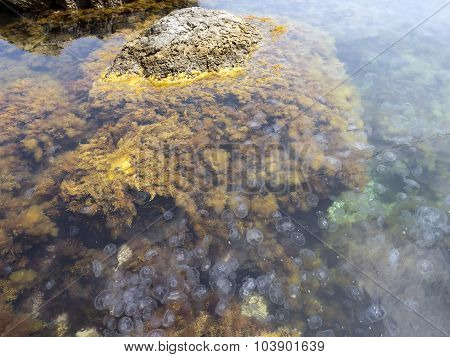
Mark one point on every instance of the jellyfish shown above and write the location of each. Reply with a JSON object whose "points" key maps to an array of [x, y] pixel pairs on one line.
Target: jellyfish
{"points": [[425, 267], [282, 315], [222, 307], [284, 225], [168, 215], [130, 309], [322, 222], [176, 240], [354, 293], [227, 216], [110, 249], [254, 236], [169, 318], [263, 284], [276, 294], [298, 238], [234, 234], [73, 231], [241, 210], [199, 293], [389, 156], [118, 309], [97, 268], [139, 326], [150, 254], [125, 325], [156, 333], [375, 312], [314, 322], [49, 284]]}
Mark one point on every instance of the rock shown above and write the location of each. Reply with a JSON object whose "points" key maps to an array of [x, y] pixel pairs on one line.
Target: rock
{"points": [[188, 42]]}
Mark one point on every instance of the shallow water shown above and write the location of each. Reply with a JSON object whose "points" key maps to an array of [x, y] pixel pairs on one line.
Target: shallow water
{"points": [[345, 253]]}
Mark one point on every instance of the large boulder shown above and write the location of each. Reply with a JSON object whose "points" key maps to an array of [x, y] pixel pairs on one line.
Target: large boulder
{"points": [[188, 42]]}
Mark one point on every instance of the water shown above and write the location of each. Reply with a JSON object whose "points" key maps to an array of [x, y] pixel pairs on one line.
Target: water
{"points": [[84, 209]]}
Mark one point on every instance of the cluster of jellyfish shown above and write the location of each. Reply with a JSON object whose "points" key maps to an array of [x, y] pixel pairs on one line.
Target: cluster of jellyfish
{"points": [[182, 271]]}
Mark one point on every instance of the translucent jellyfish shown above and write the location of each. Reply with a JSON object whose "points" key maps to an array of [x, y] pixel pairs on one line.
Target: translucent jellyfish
{"points": [[425, 267], [222, 307], [234, 234], [389, 156], [431, 217], [118, 309], [147, 273], [322, 222], [147, 302], [263, 284], [169, 318], [97, 268], [150, 254], [138, 326], [102, 300], [282, 315], [111, 323], [375, 312], [110, 249], [284, 225], [173, 282], [225, 287], [401, 196], [49, 284], [354, 293], [276, 294], [133, 279], [227, 216], [427, 237], [147, 314], [159, 291], [298, 261], [314, 322], [294, 291], [156, 333], [322, 274], [176, 240], [249, 284], [298, 238], [199, 293], [312, 199], [174, 296], [125, 325], [254, 236], [307, 254], [411, 186], [130, 309], [305, 276], [241, 210], [168, 215], [382, 169]]}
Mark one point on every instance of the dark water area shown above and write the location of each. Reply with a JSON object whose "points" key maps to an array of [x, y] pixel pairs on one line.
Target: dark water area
{"points": [[307, 194]]}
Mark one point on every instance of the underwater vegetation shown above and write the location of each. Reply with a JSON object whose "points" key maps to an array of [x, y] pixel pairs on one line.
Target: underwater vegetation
{"points": [[172, 142]]}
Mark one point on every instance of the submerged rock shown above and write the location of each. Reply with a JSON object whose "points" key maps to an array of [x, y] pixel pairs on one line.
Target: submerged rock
{"points": [[188, 42]]}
